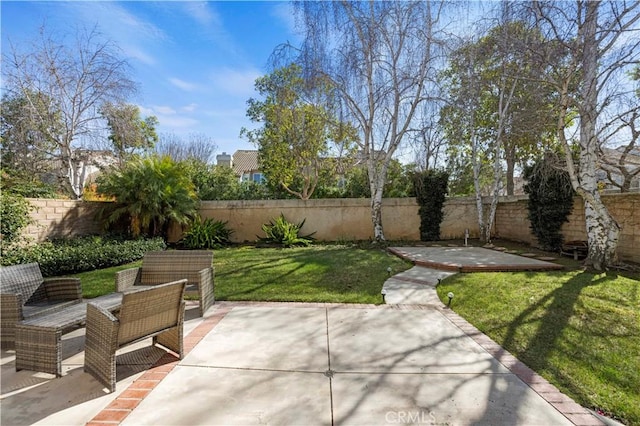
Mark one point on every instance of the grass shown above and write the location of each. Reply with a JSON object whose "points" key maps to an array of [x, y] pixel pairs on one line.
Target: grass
{"points": [[579, 330], [319, 273], [101, 281]]}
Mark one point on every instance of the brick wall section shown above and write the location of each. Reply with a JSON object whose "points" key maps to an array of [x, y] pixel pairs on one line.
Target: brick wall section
{"points": [[62, 218], [350, 219], [512, 222]]}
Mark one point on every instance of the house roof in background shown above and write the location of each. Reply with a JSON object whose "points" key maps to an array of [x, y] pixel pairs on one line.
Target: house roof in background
{"points": [[245, 160]]}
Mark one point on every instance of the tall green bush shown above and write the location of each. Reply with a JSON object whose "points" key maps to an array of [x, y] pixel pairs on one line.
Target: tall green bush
{"points": [[430, 187], [550, 200], [149, 193]]}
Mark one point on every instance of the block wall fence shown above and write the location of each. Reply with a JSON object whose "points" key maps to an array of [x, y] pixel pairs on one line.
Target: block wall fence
{"points": [[350, 219]]}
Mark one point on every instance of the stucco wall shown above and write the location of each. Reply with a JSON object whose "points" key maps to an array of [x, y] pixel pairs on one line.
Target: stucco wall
{"points": [[330, 219], [350, 219]]}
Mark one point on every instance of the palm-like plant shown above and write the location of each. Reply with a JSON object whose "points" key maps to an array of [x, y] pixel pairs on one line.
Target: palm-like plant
{"points": [[151, 193]]}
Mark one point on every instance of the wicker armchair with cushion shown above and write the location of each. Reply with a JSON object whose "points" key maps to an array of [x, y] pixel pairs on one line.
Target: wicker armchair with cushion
{"points": [[164, 266], [156, 312], [24, 293]]}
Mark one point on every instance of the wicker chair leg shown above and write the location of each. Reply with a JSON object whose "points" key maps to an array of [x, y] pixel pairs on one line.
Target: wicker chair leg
{"points": [[39, 349], [172, 339], [206, 290], [101, 345], [10, 314]]}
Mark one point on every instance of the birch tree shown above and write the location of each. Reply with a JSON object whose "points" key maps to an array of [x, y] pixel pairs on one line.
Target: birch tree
{"points": [[493, 119], [77, 75], [379, 56], [602, 42]]}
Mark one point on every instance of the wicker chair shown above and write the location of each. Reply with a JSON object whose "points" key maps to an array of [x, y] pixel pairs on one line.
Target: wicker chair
{"points": [[171, 265], [24, 293], [156, 312]]}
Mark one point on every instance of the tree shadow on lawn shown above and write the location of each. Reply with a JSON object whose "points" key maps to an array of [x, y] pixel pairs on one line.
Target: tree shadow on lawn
{"points": [[560, 310], [332, 272]]}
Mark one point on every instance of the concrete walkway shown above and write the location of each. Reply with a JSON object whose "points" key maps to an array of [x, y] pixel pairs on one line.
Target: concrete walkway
{"points": [[305, 364], [433, 264]]}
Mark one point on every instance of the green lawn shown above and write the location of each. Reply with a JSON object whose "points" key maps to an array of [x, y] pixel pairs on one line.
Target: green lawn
{"points": [[319, 273], [579, 330]]}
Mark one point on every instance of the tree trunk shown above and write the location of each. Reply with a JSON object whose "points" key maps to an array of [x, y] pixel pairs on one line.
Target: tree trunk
{"points": [[377, 178], [497, 175], [602, 229], [478, 192], [376, 216], [510, 157]]}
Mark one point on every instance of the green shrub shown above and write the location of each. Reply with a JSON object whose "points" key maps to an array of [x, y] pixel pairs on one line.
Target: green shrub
{"points": [[14, 216], [281, 231], [70, 256], [550, 200], [151, 193], [26, 184], [206, 234], [430, 188]]}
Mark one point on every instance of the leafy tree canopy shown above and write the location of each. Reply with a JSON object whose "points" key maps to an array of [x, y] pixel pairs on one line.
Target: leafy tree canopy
{"points": [[298, 130], [129, 131]]}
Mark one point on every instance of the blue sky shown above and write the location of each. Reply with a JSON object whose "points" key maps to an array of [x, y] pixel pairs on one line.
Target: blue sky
{"points": [[196, 62]]}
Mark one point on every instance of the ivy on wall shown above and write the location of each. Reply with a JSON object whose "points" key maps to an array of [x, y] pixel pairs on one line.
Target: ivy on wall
{"points": [[431, 189], [550, 200]]}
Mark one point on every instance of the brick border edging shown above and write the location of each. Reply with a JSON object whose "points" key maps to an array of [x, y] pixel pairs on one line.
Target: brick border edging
{"points": [[574, 412]]}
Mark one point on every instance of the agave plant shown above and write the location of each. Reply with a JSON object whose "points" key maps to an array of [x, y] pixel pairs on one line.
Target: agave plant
{"points": [[281, 231]]}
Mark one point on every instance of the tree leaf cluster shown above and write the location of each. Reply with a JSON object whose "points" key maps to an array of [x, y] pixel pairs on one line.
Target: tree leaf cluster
{"points": [[298, 130]]}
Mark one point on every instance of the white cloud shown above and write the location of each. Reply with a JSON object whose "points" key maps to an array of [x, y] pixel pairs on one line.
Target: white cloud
{"points": [[226, 113], [181, 84], [171, 122], [117, 21], [136, 52], [162, 109], [169, 118], [236, 82], [189, 108], [202, 13]]}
